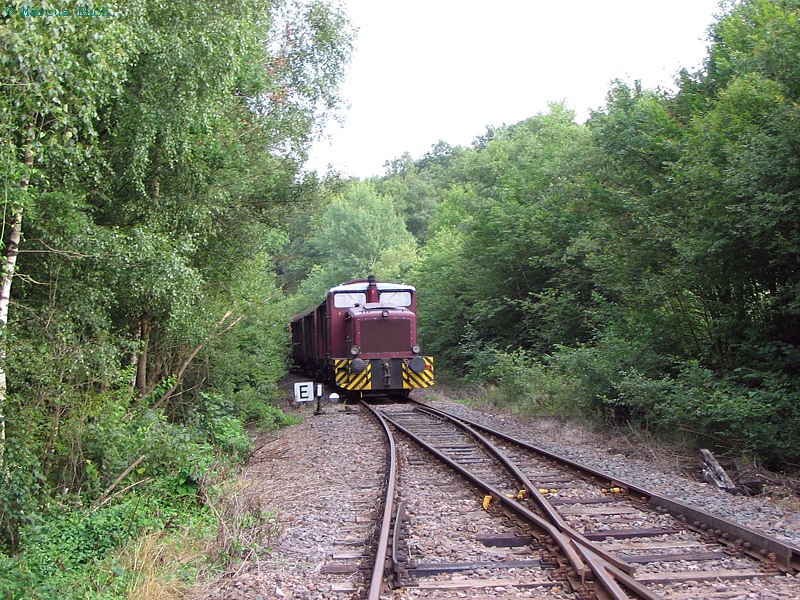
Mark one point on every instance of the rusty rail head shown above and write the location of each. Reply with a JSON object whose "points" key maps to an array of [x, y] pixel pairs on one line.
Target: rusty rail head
{"points": [[561, 539], [608, 571], [552, 514], [786, 555], [376, 581]]}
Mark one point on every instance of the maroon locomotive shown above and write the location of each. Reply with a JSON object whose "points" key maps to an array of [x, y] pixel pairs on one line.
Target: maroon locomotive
{"points": [[363, 339]]}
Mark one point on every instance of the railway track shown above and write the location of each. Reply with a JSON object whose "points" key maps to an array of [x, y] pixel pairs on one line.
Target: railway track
{"points": [[528, 520]]}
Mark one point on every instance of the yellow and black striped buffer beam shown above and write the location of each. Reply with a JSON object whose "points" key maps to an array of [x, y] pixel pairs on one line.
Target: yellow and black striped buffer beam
{"points": [[348, 380], [413, 380]]}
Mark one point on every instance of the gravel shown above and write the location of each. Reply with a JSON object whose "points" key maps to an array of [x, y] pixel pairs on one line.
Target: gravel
{"points": [[780, 517], [318, 484]]}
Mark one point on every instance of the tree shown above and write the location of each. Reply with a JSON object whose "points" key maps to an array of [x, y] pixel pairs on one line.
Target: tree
{"points": [[158, 151], [56, 76], [741, 240], [359, 233]]}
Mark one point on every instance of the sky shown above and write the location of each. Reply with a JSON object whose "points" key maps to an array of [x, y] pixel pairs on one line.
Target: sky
{"points": [[429, 70]]}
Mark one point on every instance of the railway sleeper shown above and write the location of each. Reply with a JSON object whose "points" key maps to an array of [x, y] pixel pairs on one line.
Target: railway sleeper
{"points": [[420, 570]]}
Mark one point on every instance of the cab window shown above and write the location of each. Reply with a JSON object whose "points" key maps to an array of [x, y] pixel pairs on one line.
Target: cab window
{"points": [[396, 298], [349, 299]]}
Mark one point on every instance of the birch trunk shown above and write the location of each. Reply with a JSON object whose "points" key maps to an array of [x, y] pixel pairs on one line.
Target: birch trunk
{"points": [[12, 251]]}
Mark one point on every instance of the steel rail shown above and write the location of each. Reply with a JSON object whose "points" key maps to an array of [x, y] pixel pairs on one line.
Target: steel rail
{"points": [[608, 568], [785, 554], [398, 523], [561, 538], [549, 510], [376, 580]]}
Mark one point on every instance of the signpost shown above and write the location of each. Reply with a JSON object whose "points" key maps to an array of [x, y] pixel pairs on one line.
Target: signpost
{"points": [[308, 391], [304, 392]]}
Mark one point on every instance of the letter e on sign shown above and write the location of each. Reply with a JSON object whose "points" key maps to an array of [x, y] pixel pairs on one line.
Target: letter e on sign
{"points": [[304, 392]]}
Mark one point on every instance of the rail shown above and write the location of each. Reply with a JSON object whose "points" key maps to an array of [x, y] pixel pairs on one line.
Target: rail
{"points": [[376, 581], [599, 567], [760, 546]]}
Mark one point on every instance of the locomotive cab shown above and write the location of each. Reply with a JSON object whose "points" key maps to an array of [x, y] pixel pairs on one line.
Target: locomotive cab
{"points": [[380, 338], [363, 338]]}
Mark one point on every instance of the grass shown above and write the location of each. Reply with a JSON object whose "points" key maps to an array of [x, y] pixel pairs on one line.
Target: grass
{"points": [[166, 566]]}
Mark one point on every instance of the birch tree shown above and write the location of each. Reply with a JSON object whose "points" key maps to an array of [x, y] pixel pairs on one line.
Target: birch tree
{"points": [[55, 74]]}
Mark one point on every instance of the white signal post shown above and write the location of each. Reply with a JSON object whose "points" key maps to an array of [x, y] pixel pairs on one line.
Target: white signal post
{"points": [[308, 391]]}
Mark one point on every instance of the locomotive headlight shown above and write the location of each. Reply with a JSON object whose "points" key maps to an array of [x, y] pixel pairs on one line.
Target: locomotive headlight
{"points": [[385, 313], [355, 350], [416, 349]]}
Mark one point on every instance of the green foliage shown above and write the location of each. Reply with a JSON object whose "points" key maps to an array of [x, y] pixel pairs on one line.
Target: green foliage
{"points": [[582, 267], [153, 155], [253, 355], [754, 36], [520, 382], [56, 76], [22, 492], [69, 553], [63, 549], [497, 244], [225, 431], [757, 411], [416, 187], [360, 232], [253, 408]]}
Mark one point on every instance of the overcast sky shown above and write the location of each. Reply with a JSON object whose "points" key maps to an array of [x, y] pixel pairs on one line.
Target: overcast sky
{"points": [[430, 70]]}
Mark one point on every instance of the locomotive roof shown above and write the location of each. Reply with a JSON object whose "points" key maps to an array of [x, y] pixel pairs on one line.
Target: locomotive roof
{"points": [[361, 286]]}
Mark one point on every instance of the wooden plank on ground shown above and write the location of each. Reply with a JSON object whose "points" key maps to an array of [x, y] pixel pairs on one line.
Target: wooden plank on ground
{"points": [[651, 545], [588, 500], [671, 557], [714, 473], [601, 510], [428, 569], [505, 541], [345, 569], [628, 533]]}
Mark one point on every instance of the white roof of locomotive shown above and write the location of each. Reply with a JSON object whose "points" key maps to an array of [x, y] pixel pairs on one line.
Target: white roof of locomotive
{"points": [[361, 286]]}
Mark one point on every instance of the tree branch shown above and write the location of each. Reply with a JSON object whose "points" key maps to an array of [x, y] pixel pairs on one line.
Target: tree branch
{"points": [[125, 473], [179, 375]]}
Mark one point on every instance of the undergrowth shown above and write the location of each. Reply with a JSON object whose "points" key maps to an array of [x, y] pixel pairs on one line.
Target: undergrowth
{"points": [[741, 413], [173, 519]]}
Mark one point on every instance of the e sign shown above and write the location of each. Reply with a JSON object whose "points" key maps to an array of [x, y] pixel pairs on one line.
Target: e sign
{"points": [[304, 392]]}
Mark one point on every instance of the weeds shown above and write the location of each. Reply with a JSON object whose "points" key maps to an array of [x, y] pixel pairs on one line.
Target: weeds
{"points": [[245, 528]]}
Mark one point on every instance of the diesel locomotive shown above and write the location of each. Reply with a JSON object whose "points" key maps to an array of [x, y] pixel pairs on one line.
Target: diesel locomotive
{"points": [[363, 340]]}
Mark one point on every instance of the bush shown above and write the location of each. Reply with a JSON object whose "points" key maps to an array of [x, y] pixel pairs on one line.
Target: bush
{"points": [[69, 552], [518, 381], [22, 491], [747, 413], [751, 414], [254, 407]]}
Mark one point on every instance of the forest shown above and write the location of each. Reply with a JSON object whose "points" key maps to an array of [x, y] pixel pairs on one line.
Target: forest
{"points": [[637, 270]]}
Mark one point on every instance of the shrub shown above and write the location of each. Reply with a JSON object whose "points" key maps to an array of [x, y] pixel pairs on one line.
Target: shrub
{"points": [[757, 415], [254, 407], [22, 491], [69, 552]]}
